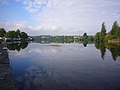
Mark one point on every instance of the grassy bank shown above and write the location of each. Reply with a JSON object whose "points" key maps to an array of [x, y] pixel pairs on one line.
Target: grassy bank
{"points": [[114, 41]]}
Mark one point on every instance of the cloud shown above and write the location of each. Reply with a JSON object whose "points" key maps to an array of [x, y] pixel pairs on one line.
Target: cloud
{"points": [[14, 25], [69, 17], [33, 5], [34, 77]]}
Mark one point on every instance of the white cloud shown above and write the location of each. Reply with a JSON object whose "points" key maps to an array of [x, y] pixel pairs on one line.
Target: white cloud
{"points": [[24, 26], [33, 5], [70, 16]]}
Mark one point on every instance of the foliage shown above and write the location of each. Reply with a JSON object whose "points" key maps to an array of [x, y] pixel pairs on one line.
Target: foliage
{"points": [[118, 33], [100, 36], [97, 37], [114, 49], [103, 32], [85, 37], [91, 38], [115, 28], [2, 32], [103, 29], [101, 46], [16, 34], [23, 35], [113, 34], [17, 46], [11, 34]]}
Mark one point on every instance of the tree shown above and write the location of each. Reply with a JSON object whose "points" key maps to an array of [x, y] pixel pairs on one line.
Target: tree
{"points": [[91, 38], [85, 37], [115, 28], [8, 34], [11, 34], [23, 35], [18, 33], [118, 33], [2, 32], [97, 37], [103, 29], [103, 32]]}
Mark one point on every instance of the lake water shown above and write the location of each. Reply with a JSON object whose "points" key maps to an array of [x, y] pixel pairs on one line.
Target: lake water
{"points": [[65, 67]]}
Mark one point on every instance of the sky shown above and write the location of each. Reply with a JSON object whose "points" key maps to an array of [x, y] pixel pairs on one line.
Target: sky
{"points": [[58, 17]]}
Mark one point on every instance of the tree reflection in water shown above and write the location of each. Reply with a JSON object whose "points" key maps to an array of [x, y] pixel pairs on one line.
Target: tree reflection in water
{"points": [[102, 46], [17, 45], [114, 49]]}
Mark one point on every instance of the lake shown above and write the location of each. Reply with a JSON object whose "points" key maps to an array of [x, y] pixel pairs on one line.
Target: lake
{"points": [[64, 66]]}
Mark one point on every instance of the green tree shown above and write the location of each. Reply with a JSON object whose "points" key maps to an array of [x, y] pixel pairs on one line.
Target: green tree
{"points": [[2, 32], [85, 37], [97, 37], [18, 33], [23, 35], [103, 29], [118, 33], [115, 28], [91, 38], [103, 32], [11, 34]]}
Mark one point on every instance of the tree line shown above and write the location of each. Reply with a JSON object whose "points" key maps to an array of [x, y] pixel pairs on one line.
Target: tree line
{"points": [[13, 34], [102, 39], [113, 34], [63, 39]]}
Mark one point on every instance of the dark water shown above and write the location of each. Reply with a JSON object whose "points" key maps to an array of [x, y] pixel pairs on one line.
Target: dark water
{"points": [[65, 67]]}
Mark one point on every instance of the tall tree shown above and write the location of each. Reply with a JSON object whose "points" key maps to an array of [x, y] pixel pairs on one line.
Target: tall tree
{"points": [[103, 29], [115, 28], [103, 32]]}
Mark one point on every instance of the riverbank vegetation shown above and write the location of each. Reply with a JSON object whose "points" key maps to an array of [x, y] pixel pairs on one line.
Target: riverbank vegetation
{"points": [[63, 39], [113, 36], [13, 35], [109, 40]]}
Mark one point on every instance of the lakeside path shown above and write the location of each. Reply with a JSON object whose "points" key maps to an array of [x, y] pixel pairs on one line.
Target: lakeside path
{"points": [[6, 81]]}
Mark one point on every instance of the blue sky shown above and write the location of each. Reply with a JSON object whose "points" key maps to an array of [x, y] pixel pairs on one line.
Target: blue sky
{"points": [[58, 17]]}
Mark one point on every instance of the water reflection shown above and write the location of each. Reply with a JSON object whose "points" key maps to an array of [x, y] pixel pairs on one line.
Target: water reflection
{"points": [[85, 43], [114, 49], [17, 45], [58, 66], [68, 67], [34, 79], [102, 46]]}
